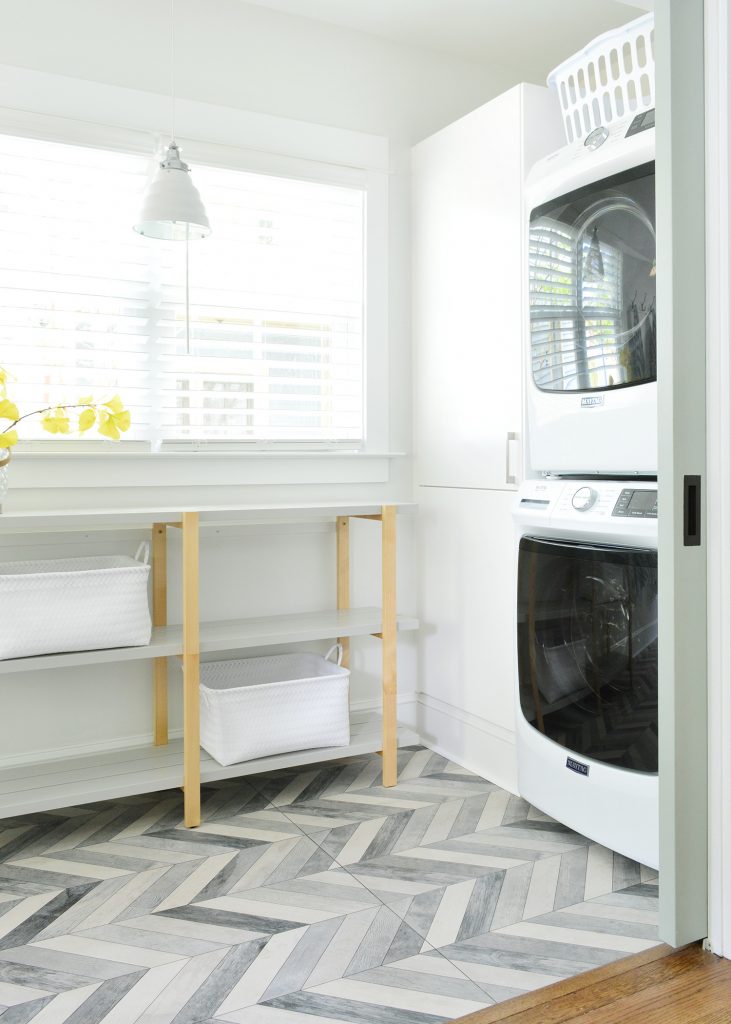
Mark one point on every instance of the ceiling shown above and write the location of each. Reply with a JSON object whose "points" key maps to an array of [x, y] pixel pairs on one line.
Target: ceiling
{"points": [[537, 34]]}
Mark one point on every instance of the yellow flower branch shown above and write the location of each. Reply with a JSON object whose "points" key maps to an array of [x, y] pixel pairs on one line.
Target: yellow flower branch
{"points": [[110, 417]]}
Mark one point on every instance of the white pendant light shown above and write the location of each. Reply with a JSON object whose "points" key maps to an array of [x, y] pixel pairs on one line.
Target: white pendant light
{"points": [[172, 208]]}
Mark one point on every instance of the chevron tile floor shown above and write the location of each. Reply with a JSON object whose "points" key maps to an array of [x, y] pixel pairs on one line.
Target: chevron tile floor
{"points": [[307, 896]]}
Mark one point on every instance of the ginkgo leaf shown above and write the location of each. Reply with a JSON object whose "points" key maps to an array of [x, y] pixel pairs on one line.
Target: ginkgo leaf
{"points": [[115, 404], [87, 419], [56, 421], [86, 400], [107, 426], [8, 439], [8, 410]]}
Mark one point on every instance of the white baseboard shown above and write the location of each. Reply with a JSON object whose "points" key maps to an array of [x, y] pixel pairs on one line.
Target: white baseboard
{"points": [[407, 715], [473, 742]]}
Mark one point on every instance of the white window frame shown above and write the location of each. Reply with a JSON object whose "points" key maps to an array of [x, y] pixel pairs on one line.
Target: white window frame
{"points": [[374, 182]]}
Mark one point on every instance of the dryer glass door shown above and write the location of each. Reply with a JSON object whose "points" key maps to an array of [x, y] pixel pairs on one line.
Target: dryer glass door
{"points": [[587, 649], [592, 286]]}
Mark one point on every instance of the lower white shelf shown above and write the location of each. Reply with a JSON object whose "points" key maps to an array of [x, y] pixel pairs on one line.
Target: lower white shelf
{"points": [[67, 782]]}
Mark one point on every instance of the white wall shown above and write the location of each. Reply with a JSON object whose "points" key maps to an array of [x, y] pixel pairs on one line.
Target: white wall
{"points": [[232, 55]]}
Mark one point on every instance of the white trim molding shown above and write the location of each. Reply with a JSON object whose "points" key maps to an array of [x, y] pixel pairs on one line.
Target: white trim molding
{"points": [[718, 324], [483, 747]]}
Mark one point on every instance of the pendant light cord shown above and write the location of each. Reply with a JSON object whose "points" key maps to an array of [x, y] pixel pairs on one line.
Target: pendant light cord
{"points": [[172, 70], [187, 297]]}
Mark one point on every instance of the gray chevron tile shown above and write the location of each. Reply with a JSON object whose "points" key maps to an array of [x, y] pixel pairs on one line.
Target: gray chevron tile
{"points": [[388, 1001], [100, 1003], [31, 917], [22, 1013], [41, 978], [64, 962], [308, 896]]}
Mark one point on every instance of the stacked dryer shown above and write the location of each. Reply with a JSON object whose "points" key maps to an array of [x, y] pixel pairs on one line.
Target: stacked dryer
{"points": [[587, 516]]}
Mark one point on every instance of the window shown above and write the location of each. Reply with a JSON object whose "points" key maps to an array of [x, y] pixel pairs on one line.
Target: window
{"points": [[276, 348]]}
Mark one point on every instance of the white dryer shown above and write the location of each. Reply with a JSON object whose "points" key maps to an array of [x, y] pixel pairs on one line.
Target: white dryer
{"points": [[587, 683], [591, 391]]}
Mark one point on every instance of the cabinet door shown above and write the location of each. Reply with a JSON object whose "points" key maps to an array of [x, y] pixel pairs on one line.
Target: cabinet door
{"points": [[467, 296], [467, 638]]}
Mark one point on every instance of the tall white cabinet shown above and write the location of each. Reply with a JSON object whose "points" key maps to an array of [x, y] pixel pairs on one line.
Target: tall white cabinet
{"points": [[469, 311]]}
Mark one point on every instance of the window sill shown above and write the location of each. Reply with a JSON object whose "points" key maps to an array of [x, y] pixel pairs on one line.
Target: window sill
{"points": [[61, 470]]}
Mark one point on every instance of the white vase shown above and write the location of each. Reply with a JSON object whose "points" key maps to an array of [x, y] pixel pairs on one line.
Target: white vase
{"points": [[4, 474]]}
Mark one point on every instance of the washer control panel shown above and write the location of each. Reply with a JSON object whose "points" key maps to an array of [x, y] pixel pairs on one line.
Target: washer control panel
{"points": [[636, 504], [584, 498]]}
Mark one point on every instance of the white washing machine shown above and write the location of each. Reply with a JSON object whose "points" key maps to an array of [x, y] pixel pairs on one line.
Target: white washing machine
{"points": [[592, 369], [587, 658]]}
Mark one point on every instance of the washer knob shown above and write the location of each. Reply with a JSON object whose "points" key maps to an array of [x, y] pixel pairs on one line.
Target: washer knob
{"points": [[584, 498]]}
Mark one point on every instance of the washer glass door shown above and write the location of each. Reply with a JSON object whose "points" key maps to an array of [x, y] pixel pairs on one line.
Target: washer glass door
{"points": [[587, 648]]}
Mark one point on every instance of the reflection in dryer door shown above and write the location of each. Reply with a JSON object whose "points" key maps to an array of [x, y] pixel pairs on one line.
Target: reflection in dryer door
{"points": [[587, 648]]}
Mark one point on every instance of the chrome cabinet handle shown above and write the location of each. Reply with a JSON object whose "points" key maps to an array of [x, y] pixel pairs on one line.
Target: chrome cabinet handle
{"points": [[510, 478]]}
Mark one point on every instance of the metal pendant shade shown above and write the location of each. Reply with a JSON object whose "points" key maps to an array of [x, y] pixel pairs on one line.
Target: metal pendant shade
{"points": [[172, 208]]}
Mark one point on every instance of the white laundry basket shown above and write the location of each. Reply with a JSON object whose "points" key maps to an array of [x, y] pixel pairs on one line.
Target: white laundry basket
{"points": [[74, 604], [611, 78], [254, 707]]}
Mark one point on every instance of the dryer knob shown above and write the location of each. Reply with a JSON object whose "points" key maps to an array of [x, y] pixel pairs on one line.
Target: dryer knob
{"points": [[584, 498]]}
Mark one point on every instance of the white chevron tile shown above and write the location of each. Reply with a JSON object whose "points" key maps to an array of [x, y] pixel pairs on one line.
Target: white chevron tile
{"points": [[12, 994], [448, 856], [524, 981], [494, 811], [401, 999], [60, 1009], [441, 824], [85, 830], [599, 870], [149, 819], [9, 835], [22, 911], [613, 913], [577, 937], [181, 989], [294, 788], [197, 880], [259, 976], [154, 854], [542, 888], [114, 952], [132, 1006], [76, 867], [447, 921], [359, 842], [275, 1015]]}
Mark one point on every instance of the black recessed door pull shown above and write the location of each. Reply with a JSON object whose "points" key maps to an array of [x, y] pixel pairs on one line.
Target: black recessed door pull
{"points": [[691, 511]]}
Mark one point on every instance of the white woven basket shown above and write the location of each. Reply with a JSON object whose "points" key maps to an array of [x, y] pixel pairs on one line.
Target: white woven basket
{"points": [[611, 78], [254, 707], [74, 604]]}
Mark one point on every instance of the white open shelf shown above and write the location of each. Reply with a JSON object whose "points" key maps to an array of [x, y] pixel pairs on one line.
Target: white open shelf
{"points": [[67, 782], [226, 635]]}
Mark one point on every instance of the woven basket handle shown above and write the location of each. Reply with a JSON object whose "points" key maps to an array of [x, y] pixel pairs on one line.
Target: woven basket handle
{"points": [[339, 649], [143, 553]]}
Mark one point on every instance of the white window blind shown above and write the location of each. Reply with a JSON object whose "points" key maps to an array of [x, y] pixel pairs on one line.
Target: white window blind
{"points": [[275, 351]]}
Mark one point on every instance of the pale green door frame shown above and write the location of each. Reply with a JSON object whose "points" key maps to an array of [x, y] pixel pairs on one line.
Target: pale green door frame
{"points": [[681, 306]]}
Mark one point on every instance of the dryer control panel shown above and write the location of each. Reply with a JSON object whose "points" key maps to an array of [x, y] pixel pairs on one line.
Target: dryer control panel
{"points": [[638, 504]]}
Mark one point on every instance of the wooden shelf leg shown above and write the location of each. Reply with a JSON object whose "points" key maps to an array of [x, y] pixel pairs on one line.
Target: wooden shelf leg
{"points": [[342, 529], [191, 672], [388, 583], [160, 618]]}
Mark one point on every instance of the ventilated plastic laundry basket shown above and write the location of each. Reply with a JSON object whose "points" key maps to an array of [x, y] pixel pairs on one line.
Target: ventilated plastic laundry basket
{"points": [[254, 707], [612, 77], [74, 604]]}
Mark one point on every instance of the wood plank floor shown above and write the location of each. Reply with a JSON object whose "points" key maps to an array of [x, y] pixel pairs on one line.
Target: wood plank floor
{"points": [[659, 986]]}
